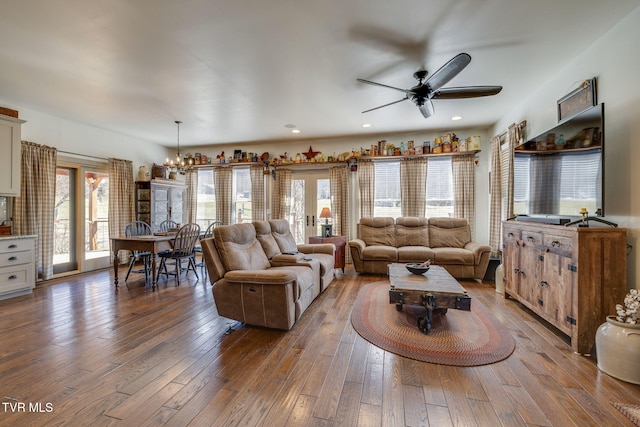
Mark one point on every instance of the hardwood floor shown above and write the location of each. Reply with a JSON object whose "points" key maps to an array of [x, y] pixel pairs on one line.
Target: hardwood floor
{"points": [[77, 352]]}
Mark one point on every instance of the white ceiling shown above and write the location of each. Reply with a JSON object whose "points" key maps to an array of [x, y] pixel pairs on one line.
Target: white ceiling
{"points": [[240, 70]]}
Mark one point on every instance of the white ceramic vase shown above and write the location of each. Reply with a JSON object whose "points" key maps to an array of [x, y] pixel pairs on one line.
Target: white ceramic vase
{"points": [[499, 278], [618, 350]]}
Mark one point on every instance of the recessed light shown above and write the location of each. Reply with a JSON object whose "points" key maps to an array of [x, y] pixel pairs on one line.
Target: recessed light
{"points": [[295, 131], [366, 125], [456, 118]]}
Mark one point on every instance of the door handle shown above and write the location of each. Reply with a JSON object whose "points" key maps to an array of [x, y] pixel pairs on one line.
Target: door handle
{"points": [[313, 220], [307, 220]]}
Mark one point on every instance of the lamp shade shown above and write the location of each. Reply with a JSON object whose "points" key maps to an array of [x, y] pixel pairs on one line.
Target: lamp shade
{"points": [[325, 213]]}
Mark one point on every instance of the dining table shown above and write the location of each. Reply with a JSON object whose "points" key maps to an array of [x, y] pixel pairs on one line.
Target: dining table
{"points": [[148, 243]]}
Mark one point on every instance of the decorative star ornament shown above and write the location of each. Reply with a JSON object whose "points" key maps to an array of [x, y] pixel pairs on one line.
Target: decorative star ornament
{"points": [[310, 154]]}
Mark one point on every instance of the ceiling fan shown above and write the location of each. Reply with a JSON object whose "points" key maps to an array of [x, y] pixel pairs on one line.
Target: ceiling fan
{"points": [[431, 88]]}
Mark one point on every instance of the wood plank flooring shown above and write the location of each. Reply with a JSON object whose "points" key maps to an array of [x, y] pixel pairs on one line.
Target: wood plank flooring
{"points": [[76, 352]]}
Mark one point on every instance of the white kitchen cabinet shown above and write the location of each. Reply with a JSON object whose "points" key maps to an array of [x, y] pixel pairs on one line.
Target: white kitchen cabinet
{"points": [[17, 265], [10, 159]]}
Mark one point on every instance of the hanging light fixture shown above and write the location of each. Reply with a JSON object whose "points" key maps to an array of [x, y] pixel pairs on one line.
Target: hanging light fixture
{"points": [[179, 164]]}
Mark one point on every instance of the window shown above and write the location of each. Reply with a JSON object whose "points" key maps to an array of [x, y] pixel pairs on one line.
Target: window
{"points": [[206, 206], [439, 187], [386, 202], [241, 195]]}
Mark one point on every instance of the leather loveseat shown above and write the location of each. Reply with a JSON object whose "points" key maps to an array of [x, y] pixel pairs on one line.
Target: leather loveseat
{"points": [[445, 241], [255, 282]]}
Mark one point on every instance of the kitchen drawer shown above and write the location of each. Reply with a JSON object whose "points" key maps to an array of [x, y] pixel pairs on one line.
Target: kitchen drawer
{"points": [[14, 279], [532, 237], [16, 245], [558, 242], [16, 258]]}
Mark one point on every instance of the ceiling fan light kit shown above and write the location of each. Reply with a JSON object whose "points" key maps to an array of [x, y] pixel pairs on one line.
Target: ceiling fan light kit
{"points": [[429, 88]]}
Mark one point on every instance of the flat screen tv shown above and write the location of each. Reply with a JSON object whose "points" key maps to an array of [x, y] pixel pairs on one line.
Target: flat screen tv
{"points": [[561, 171]]}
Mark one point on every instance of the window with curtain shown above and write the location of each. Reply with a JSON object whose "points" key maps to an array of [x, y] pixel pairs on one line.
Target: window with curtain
{"points": [[241, 200], [439, 187], [206, 211], [386, 202]]}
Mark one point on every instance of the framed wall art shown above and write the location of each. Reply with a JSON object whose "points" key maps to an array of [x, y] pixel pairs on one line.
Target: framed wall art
{"points": [[577, 100]]}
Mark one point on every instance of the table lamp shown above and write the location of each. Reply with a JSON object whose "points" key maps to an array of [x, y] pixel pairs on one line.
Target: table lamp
{"points": [[326, 214], [326, 229]]}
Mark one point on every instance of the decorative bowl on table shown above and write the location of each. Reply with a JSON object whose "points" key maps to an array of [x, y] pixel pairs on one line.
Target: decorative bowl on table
{"points": [[416, 268]]}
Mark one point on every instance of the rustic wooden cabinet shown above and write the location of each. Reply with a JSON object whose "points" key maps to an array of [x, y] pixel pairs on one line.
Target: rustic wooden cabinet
{"points": [[570, 276], [157, 201], [340, 243], [10, 160]]}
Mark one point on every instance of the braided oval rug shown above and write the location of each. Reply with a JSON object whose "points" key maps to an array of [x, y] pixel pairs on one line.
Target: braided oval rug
{"points": [[458, 338]]}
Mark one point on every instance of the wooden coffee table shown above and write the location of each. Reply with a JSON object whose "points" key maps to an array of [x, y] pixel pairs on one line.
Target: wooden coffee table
{"points": [[434, 290]]}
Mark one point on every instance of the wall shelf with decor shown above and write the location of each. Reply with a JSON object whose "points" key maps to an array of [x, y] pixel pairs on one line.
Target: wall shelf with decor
{"points": [[414, 156]]}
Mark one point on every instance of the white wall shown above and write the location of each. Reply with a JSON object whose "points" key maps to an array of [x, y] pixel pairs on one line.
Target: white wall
{"points": [[78, 138], [614, 60]]}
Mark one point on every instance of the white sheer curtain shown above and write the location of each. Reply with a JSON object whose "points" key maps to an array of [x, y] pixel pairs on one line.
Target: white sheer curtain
{"points": [[33, 211]]}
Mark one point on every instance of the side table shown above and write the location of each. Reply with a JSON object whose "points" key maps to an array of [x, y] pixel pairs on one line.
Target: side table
{"points": [[340, 243]]}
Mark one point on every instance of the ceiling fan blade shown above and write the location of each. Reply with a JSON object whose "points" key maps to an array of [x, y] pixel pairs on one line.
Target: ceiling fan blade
{"points": [[466, 92], [448, 71], [386, 105], [380, 84], [427, 109]]}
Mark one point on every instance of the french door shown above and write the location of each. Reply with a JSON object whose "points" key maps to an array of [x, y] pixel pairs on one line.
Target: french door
{"points": [[310, 192], [81, 235]]}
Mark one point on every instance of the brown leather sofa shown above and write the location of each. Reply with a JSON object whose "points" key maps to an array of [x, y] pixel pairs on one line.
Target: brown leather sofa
{"points": [[255, 282], [445, 241]]}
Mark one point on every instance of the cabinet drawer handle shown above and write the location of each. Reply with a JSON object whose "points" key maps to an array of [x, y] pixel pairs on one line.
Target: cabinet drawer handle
{"points": [[12, 277], [510, 234], [529, 238], [555, 243], [13, 258], [544, 283], [13, 246]]}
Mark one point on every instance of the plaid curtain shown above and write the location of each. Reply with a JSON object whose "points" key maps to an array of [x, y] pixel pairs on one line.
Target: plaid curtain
{"points": [[495, 213], [464, 188], [121, 198], [191, 196], [33, 211], [282, 194], [367, 185], [257, 192], [223, 184], [340, 202], [413, 185], [506, 171]]}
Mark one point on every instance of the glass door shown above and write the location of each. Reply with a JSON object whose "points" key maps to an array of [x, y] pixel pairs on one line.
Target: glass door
{"points": [[96, 220], [310, 192], [65, 224]]}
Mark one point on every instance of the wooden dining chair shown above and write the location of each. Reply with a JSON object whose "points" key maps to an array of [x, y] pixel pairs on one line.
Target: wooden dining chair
{"points": [[207, 234], [134, 229], [167, 224], [182, 250]]}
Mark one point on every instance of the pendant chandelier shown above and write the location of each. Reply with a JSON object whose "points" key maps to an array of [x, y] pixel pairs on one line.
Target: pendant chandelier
{"points": [[178, 165]]}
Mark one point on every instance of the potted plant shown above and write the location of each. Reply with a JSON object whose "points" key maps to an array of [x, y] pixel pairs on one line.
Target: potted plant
{"points": [[618, 341]]}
